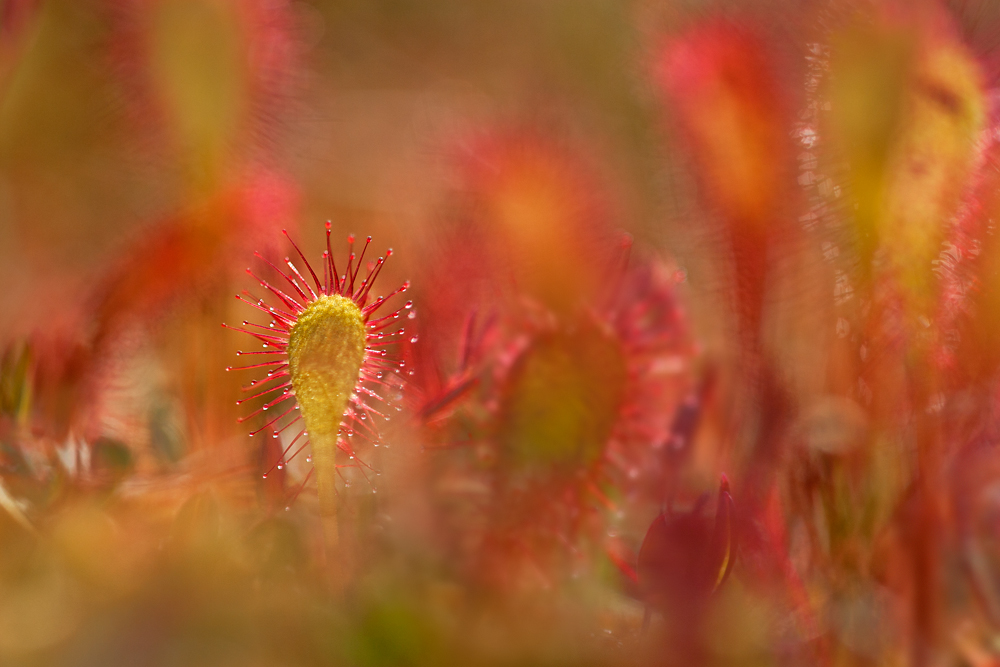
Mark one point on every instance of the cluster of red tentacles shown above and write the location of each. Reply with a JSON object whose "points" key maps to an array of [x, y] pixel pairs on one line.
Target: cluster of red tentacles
{"points": [[379, 381]]}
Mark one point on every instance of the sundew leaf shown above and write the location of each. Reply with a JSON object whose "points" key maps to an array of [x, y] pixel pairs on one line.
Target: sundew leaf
{"points": [[561, 403]]}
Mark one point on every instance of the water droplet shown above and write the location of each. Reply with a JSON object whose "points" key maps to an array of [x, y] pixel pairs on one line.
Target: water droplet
{"points": [[264, 345], [395, 316], [287, 508], [409, 373], [309, 459], [373, 490], [414, 339], [265, 475], [402, 364], [352, 457], [408, 305], [380, 335], [412, 314], [379, 375], [280, 467]]}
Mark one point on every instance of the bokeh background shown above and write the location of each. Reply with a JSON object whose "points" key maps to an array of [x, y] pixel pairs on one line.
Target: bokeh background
{"points": [[713, 282]]}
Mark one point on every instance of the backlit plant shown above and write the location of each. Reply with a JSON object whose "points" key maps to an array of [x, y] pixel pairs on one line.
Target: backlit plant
{"points": [[328, 349]]}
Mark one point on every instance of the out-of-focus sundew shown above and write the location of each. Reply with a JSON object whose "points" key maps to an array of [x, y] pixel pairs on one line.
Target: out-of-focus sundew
{"points": [[721, 82], [207, 110], [908, 107], [731, 112], [561, 402], [542, 207]]}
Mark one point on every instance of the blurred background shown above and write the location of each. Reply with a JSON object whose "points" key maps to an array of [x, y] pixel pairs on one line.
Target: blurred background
{"points": [[704, 368]]}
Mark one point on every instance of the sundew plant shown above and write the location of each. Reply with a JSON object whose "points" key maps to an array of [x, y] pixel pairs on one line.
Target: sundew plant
{"points": [[686, 355]]}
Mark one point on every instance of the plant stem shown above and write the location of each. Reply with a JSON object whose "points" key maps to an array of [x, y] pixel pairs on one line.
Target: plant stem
{"points": [[324, 451]]}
